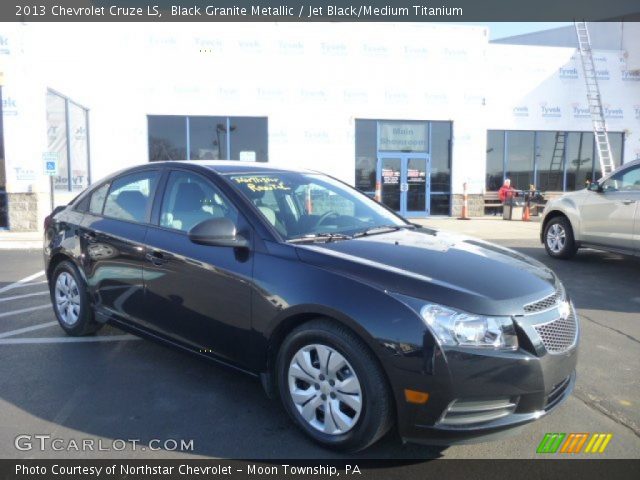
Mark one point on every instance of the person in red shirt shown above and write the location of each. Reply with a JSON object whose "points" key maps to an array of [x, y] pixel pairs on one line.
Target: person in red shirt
{"points": [[506, 192]]}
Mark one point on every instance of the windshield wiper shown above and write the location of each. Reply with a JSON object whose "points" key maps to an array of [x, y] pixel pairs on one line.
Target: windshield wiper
{"points": [[382, 229], [313, 237]]}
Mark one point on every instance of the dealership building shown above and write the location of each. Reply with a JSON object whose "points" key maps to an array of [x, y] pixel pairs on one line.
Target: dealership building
{"points": [[413, 110]]}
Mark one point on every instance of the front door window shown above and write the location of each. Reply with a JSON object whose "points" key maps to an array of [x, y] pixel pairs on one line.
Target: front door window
{"points": [[416, 184], [390, 186]]}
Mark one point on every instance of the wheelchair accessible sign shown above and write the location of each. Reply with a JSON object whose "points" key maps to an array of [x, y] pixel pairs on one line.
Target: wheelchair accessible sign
{"points": [[50, 160]]}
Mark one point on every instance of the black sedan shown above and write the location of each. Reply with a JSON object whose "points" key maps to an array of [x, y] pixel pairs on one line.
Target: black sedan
{"points": [[355, 318]]}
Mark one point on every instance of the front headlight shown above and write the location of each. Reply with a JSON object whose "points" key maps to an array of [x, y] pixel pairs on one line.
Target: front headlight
{"points": [[453, 327]]}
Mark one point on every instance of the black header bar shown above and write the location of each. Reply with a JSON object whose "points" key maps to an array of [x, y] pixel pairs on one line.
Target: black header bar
{"points": [[316, 10]]}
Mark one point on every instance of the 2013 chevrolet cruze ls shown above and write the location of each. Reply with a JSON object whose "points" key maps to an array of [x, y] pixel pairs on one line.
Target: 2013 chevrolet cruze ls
{"points": [[354, 317]]}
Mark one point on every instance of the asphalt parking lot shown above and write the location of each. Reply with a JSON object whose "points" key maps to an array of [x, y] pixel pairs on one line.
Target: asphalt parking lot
{"points": [[115, 386]]}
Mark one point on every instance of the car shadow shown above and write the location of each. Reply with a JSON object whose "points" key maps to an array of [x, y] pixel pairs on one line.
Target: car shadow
{"points": [[145, 391]]}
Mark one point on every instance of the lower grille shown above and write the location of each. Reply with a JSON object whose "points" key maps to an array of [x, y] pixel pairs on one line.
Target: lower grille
{"points": [[556, 393], [559, 335]]}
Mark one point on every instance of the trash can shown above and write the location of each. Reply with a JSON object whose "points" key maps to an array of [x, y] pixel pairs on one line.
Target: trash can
{"points": [[512, 210]]}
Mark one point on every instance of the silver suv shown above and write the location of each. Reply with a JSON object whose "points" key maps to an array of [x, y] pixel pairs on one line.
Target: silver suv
{"points": [[606, 216]]}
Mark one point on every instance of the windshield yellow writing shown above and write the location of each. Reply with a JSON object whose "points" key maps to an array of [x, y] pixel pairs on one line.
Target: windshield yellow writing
{"points": [[261, 184]]}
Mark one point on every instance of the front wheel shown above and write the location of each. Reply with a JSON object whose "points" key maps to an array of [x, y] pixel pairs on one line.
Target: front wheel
{"points": [[558, 238], [332, 386]]}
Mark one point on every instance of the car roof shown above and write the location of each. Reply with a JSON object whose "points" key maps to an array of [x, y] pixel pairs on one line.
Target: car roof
{"points": [[235, 166]]}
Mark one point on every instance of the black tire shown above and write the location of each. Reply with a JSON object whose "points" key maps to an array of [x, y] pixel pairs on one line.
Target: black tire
{"points": [[85, 323], [557, 250], [376, 415]]}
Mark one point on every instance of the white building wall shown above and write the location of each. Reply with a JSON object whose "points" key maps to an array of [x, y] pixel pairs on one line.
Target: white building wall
{"points": [[631, 45], [311, 80]]}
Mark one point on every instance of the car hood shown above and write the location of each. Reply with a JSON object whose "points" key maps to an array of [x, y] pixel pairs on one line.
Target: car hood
{"points": [[575, 196], [458, 271]]}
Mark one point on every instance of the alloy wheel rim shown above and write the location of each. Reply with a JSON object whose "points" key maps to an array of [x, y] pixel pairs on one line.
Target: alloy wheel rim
{"points": [[67, 299], [325, 389], [556, 238]]}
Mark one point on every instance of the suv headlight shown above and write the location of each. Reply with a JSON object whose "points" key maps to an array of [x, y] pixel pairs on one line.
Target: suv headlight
{"points": [[452, 327]]}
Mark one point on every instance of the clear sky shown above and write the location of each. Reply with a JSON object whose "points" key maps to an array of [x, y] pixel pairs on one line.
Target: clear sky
{"points": [[508, 29]]}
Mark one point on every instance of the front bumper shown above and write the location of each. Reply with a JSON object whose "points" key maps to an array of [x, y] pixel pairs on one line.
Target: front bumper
{"points": [[439, 434], [531, 380]]}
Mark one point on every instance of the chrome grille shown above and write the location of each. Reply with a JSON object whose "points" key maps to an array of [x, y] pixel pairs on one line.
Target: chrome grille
{"points": [[559, 335], [546, 303]]}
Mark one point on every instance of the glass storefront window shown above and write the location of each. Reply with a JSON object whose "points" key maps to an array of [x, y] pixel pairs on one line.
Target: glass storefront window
{"points": [[440, 204], [249, 138], [57, 138], [581, 164], [79, 147], [68, 137], [366, 155], [208, 138], [520, 155], [579, 156], [440, 157], [495, 160], [550, 160], [167, 138], [616, 141]]}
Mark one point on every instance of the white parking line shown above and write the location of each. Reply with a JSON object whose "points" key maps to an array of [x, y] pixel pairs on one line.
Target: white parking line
{"points": [[28, 284], [106, 338], [21, 282], [16, 297], [27, 329], [25, 310]]}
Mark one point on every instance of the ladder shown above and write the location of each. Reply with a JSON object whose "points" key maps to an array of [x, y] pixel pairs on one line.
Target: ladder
{"points": [[594, 100], [554, 182]]}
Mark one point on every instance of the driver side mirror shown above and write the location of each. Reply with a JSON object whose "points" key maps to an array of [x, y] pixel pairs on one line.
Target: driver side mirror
{"points": [[217, 232], [596, 187]]}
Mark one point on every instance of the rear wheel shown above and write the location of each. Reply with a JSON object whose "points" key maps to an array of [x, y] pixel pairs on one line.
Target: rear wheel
{"points": [[71, 301], [332, 387], [558, 238]]}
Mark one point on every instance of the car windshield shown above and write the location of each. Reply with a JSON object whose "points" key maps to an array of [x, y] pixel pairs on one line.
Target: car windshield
{"points": [[304, 206]]}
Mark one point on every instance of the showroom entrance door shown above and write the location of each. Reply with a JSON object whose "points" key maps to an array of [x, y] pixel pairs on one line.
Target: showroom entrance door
{"points": [[404, 182]]}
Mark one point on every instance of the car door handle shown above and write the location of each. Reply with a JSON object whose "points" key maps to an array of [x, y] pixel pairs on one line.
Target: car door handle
{"points": [[628, 202], [157, 258]]}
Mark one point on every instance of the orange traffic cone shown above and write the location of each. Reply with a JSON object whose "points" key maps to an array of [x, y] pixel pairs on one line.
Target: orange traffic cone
{"points": [[526, 216], [308, 205], [378, 195], [465, 204]]}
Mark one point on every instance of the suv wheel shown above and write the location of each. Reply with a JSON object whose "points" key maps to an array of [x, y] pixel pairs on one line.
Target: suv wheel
{"points": [[558, 238], [71, 301], [332, 387]]}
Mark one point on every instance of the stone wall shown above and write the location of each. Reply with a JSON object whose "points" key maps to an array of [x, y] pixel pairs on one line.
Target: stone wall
{"points": [[23, 212], [475, 203]]}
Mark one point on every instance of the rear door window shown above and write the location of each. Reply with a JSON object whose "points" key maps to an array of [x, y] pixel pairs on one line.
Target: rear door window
{"points": [[97, 199], [130, 196]]}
